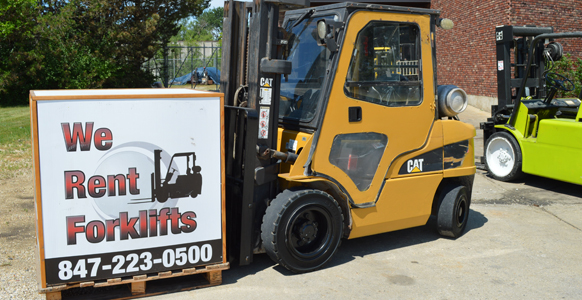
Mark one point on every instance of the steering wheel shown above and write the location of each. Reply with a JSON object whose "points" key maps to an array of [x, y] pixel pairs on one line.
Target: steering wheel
{"points": [[559, 82]]}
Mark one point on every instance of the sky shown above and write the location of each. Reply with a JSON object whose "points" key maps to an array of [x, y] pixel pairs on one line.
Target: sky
{"points": [[216, 3]]}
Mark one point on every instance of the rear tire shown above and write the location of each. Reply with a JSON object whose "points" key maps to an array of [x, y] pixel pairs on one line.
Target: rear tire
{"points": [[453, 211], [302, 229], [503, 157]]}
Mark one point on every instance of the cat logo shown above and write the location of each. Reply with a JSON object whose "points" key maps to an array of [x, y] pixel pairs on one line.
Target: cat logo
{"points": [[415, 165], [266, 82]]}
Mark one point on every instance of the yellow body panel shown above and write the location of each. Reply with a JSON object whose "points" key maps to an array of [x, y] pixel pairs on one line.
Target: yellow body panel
{"points": [[435, 141], [404, 203], [297, 142], [457, 131]]}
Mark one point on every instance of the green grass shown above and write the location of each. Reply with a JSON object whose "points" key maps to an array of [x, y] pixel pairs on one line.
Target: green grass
{"points": [[14, 124], [15, 151]]}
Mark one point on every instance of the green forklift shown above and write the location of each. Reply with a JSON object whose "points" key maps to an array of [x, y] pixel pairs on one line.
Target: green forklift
{"points": [[531, 131]]}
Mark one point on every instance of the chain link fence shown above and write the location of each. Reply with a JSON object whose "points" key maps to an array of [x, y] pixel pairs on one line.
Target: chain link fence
{"points": [[176, 61]]}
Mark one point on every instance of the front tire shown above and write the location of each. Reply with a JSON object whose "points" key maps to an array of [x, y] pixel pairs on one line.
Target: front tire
{"points": [[302, 229], [453, 211], [162, 195], [503, 157]]}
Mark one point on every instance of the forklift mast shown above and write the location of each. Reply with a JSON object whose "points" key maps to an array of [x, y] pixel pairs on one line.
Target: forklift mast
{"points": [[517, 40], [252, 64], [513, 44]]}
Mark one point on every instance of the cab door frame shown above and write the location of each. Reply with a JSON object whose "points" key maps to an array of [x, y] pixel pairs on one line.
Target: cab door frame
{"points": [[408, 116]]}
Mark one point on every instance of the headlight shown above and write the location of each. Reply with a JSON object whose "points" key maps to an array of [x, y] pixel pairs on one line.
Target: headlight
{"points": [[321, 29], [452, 100], [445, 24]]}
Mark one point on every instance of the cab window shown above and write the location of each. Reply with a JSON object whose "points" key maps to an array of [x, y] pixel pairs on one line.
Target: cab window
{"points": [[385, 65], [300, 90], [358, 155]]}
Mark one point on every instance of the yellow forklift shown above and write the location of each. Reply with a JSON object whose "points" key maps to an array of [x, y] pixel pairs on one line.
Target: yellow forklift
{"points": [[336, 128]]}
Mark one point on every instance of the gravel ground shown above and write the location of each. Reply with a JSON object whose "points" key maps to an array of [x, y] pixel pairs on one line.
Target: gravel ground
{"points": [[18, 278], [17, 239]]}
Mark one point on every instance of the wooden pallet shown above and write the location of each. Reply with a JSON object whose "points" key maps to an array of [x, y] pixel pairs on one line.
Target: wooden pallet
{"points": [[163, 282]]}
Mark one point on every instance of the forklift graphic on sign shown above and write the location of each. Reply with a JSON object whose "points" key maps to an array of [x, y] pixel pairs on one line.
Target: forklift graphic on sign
{"points": [[174, 184]]}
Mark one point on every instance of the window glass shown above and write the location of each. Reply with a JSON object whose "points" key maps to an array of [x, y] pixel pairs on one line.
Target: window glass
{"points": [[385, 65], [358, 155], [300, 90]]}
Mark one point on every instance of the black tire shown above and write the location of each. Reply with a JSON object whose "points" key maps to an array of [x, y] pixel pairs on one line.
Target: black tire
{"points": [[162, 195], [197, 185], [302, 229], [503, 157], [453, 211]]}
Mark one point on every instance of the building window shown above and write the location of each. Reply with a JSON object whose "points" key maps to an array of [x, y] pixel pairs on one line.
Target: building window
{"points": [[385, 65]]}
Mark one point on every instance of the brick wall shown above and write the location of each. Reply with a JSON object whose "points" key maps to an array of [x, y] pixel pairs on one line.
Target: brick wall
{"points": [[564, 16], [466, 54]]}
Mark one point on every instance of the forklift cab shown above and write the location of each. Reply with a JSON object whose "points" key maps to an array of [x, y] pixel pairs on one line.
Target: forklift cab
{"points": [[374, 89]]}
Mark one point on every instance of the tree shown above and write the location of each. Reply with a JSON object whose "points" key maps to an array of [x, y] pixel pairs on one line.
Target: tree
{"points": [[14, 16], [206, 27], [84, 43], [17, 22]]}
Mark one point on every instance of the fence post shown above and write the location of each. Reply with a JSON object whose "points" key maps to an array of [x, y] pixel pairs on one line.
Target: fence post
{"points": [[165, 68], [214, 48], [191, 65]]}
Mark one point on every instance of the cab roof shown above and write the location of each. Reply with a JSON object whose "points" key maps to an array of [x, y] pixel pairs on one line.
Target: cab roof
{"points": [[367, 6]]}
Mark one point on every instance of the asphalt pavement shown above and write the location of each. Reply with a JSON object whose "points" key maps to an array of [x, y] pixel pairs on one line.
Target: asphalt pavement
{"points": [[523, 241]]}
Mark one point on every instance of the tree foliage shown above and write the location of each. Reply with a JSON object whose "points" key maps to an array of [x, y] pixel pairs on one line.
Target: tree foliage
{"points": [[206, 27], [17, 23], [62, 44], [15, 17]]}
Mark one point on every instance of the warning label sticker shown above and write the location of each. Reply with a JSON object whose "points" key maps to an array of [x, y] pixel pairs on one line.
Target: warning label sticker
{"points": [[266, 91], [264, 122]]}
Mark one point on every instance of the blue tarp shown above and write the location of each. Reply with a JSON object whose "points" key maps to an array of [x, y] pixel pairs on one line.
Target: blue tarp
{"points": [[213, 74]]}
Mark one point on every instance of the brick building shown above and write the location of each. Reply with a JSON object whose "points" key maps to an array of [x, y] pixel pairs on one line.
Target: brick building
{"points": [[466, 54]]}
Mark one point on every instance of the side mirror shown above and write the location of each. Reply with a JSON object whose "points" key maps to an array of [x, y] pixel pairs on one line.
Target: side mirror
{"points": [[326, 34]]}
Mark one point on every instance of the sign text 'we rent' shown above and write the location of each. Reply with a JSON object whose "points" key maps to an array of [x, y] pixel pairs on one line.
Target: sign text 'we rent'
{"points": [[96, 186]]}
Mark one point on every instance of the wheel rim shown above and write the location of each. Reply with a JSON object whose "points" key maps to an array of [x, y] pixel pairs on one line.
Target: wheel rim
{"points": [[309, 233], [500, 157], [462, 211]]}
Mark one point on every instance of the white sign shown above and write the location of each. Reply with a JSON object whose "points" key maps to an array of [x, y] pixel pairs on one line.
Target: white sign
{"points": [[128, 186]]}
